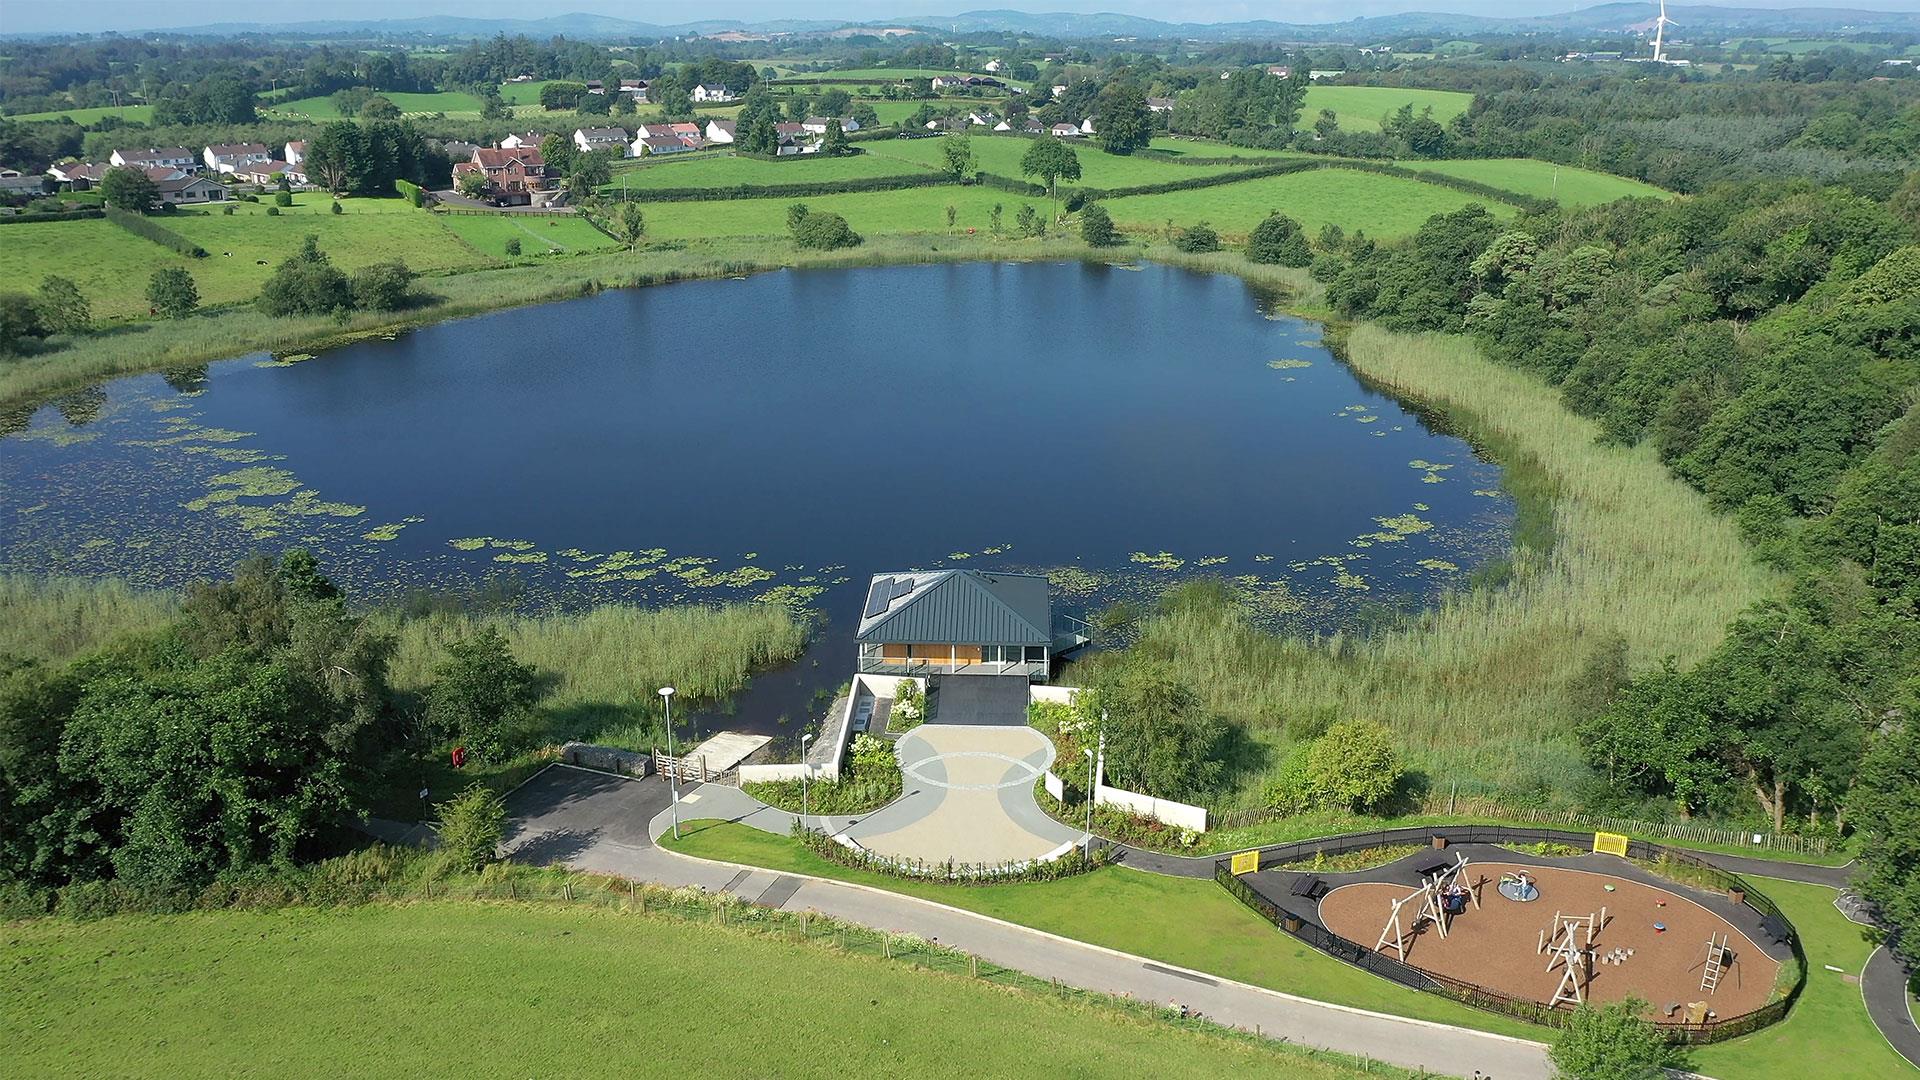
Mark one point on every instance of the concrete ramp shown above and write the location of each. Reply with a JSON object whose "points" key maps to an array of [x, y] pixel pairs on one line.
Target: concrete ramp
{"points": [[724, 750]]}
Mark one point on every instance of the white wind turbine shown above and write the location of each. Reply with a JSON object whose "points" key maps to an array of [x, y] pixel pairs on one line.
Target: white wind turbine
{"points": [[1659, 34]]}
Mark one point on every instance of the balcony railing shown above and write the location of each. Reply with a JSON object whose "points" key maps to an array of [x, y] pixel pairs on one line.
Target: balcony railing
{"points": [[899, 665]]}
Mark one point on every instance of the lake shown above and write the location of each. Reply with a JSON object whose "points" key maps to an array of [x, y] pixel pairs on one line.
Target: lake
{"points": [[783, 437]]}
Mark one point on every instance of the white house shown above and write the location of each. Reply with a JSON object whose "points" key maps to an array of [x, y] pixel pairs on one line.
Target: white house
{"points": [[1159, 104], [711, 92], [654, 145], [721, 132], [526, 140], [587, 140], [993, 67], [1059, 88], [297, 152], [1324, 74], [1064, 131], [983, 118], [817, 125], [175, 157], [231, 157], [1280, 71], [1086, 126]]}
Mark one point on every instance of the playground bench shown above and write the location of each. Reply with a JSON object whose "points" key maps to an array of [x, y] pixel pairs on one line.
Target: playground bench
{"points": [[1309, 887]]}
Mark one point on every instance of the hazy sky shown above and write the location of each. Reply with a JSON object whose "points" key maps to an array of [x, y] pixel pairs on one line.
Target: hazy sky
{"points": [[25, 16]]}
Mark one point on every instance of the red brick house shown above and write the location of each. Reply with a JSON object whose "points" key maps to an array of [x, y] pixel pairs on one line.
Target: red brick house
{"points": [[512, 175]]}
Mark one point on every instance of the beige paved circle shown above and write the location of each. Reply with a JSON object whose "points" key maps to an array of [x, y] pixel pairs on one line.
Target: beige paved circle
{"points": [[968, 797]]}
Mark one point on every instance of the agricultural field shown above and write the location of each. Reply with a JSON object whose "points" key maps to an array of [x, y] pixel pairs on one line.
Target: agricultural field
{"points": [[730, 171], [393, 989], [522, 93], [139, 113], [453, 103], [489, 233], [1385, 206], [1207, 148], [1001, 154], [920, 210], [112, 265], [1359, 108], [890, 74], [1528, 176]]}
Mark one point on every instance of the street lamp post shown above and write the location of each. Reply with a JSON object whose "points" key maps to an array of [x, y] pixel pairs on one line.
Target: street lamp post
{"points": [[1091, 781], [804, 770], [666, 701]]}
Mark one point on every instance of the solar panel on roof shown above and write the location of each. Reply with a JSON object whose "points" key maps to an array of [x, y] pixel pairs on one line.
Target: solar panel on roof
{"points": [[901, 587], [879, 597]]}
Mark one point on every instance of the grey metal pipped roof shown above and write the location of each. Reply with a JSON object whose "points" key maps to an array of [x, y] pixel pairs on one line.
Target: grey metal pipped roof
{"points": [[958, 607]]}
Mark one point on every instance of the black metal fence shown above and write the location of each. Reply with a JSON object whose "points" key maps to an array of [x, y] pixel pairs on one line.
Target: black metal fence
{"points": [[1698, 871]]}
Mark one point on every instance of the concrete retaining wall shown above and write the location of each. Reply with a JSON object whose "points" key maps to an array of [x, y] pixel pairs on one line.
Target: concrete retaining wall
{"points": [[751, 774], [1179, 814], [607, 759]]}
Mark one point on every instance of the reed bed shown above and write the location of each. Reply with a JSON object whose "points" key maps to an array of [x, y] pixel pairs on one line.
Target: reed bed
{"points": [[1479, 689], [602, 666], [55, 619]]}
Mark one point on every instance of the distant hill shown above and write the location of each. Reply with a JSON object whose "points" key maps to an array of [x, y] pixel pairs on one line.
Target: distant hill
{"points": [[1700, 21]]}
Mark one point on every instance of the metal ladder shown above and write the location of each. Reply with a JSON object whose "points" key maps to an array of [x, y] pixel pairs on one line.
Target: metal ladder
{"points": [[1716, 954]]}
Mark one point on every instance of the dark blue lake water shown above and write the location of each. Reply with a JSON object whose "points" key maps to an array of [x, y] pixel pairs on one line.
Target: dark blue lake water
{"points": [[783, 436]]}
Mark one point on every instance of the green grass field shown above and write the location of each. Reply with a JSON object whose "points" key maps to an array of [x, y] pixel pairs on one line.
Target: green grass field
{"points": [[112, 266], [1187, 921], [1207, 148], [729, 171], [489, 233], [1528, 176], [476, 989], [140, 113], [453, 103], [1196, 924], [1829, 1023], [1385, 206], [1001, 154], [1359, 108], [887, 73], [522, 93]]}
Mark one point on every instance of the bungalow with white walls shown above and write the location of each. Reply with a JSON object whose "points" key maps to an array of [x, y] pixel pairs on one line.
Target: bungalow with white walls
{"points": [[712, 93], [228, 157], [297, 152], [587, 140], [721, 132], [176, 157], [1064, 131]]}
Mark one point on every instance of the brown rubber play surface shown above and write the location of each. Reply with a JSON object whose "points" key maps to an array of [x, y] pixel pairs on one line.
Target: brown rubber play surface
{"points": [[1494, 945]]}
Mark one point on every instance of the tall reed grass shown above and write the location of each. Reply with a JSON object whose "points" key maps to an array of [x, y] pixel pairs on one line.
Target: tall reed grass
{"points": [[1480, 689], [56, 619], [601, 668]]}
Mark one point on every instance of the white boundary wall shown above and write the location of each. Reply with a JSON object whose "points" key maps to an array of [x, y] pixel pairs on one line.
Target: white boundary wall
{"points": [[1061, 694], [750, 774], [1179, 814]]}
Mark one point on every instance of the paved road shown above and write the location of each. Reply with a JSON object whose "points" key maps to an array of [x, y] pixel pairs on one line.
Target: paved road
{"points": [[576, 816], [1883, 985]]}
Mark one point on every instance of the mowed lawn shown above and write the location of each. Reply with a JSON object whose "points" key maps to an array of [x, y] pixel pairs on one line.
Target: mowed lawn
{"points": [[451, 102], [1001, 154], [1385, 206], [1195, 923], [1191, 922], [141, 113], [909, 210], [522, 93], [1529, 176], [112, 266], [1359, 108], [1207, 148], [489, 233], [1829, 1024], [509, 990], [730, 171]]}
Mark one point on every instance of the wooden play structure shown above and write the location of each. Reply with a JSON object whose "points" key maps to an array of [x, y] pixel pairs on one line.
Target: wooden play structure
{"points": [[1444, 893], [1716, 962], [1569, 944]]}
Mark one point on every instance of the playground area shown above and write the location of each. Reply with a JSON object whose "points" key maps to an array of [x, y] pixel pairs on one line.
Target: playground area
{"points": [[1556, 935]]}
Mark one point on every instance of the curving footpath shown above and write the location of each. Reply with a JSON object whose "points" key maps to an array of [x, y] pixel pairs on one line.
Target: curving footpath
{"points": [[550, 825]]}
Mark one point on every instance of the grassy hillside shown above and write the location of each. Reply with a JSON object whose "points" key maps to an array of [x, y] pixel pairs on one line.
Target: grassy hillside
{"points": [[1384, 206], [1001, 154], [468, 989], [1359, 108], [112, 266], [1570, 185], [537, 235], [729, 171], [139, 113]]}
